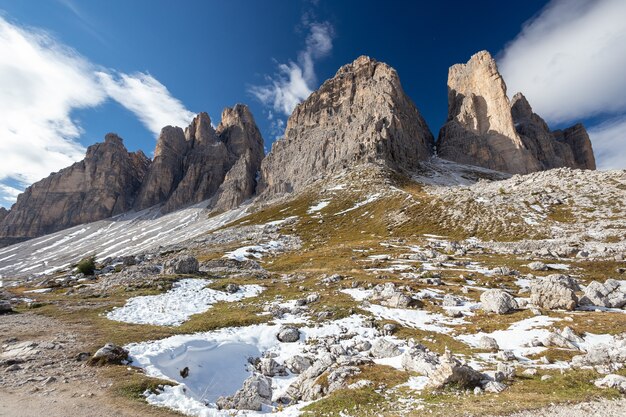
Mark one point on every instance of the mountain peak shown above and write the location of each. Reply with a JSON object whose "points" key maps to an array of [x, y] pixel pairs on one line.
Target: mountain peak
{"points": [[360, 115]]}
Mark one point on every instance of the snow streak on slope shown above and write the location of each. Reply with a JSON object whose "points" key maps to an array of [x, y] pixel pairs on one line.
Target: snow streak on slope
{"points": [[127, 234]]}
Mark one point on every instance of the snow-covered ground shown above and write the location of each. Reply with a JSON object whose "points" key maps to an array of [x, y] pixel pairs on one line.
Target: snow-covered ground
{"points": [[127, 234], [186, 298], [218, 362]]}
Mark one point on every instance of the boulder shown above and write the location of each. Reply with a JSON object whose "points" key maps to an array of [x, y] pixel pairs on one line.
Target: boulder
{"points": [[256, 392], [488, 343], [382, 348], [497, 301], [554, 292], [181, 265], [538, 266], [288, 334], [420, 360], [109, 354], [269, 367], [611, 294], [603, 357], [5, 307], [451, 371], [307, 386], [298, 364], [614, 381]]}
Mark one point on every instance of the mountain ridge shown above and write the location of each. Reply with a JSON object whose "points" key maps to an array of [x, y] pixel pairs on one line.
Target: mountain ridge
{"points": [[361, 115]]}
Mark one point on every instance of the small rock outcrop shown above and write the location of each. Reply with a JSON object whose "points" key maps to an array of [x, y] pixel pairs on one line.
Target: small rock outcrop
{"points": [[487, 130], [182, 265], [109, 354], [554, 292], [256, 391], [204, 163], [102, 185], [498, 301], [360, 115]]}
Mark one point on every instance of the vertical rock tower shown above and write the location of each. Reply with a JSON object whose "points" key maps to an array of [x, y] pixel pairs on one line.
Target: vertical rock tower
{"points": [[360, 115], [487, 130]]}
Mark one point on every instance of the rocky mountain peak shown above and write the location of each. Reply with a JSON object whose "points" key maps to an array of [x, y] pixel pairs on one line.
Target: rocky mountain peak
{"points": [[487, 130], [360, 115], [197, 164], [201, 130], [520, 107], [239, 131], [102, 185]]}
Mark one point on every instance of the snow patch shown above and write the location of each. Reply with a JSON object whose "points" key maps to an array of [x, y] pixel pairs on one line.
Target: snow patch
{"points": [[186, 298]]}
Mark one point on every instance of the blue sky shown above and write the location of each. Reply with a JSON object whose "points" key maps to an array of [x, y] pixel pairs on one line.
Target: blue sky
{"points": [[71, 71]]}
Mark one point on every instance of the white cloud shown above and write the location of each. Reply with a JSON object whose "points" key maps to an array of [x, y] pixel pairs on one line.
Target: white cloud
{"points": [[41, 83], [295, 81], [147, 98], [609, 143], [569, 61], [8, 195]]}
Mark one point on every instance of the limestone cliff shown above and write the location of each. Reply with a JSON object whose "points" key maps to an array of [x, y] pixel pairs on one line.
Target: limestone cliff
{"points": [[203, 163], [487, 130], [360, 115], [102, 185]]}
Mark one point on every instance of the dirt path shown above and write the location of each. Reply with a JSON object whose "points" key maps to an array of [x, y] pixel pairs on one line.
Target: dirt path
{"points": [[40, 375]]}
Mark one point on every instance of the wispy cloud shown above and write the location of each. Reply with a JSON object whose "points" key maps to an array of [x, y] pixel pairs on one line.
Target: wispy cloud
{"points": [[609, 143], [41, 83], [295, 80], [146, 97], [569, 60]]}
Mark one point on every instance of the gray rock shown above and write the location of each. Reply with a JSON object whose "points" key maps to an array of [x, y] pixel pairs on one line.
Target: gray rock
{"points": [[554, 292], [555, 339], [109, 354], [488, 343], [611, 294], [497, 301], [451, 371], [288, 334], [269, 367], [182, 265], [298, 364], [256, 391], [232, 288], [5, 307], [382, 348], [494, 387], [538, 266], [418, 359], [614, 381], [450, 300]]}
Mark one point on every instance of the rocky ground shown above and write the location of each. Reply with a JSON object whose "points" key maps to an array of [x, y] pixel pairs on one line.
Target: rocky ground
{"points": [[367, 294]]}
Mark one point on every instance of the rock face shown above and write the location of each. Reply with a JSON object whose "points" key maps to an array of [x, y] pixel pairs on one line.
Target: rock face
{"points": [[102, 185], [487, 130], [3, 213], [360, 115], [203, 163]]}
